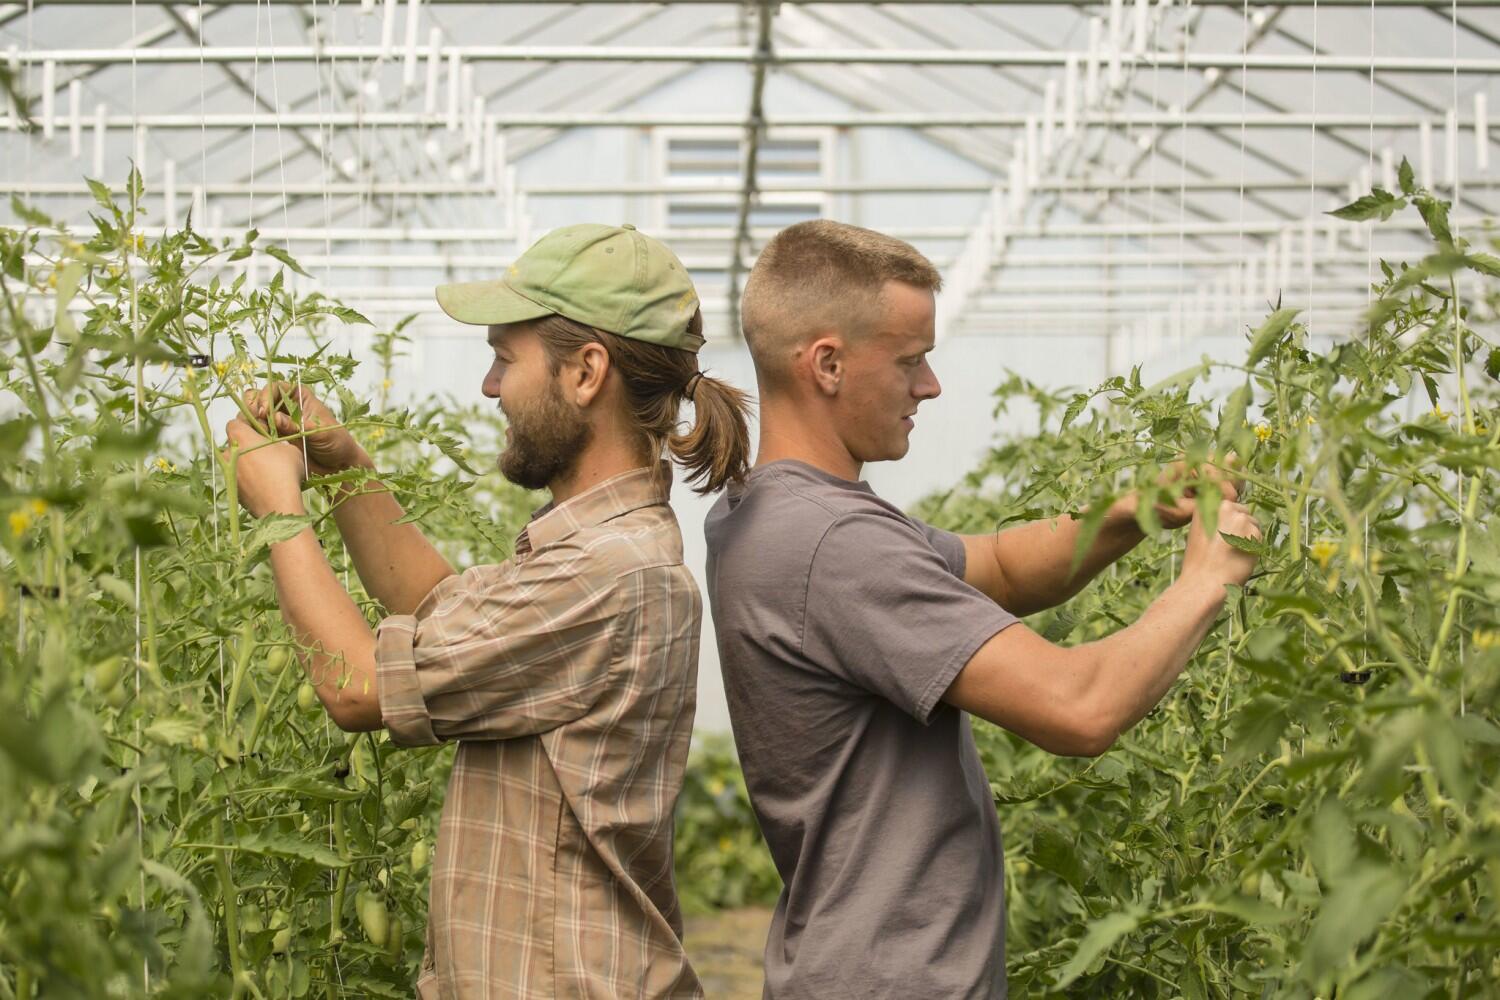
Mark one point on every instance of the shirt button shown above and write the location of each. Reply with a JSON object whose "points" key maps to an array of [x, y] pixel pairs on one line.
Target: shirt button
{"points": [[627, 226]]}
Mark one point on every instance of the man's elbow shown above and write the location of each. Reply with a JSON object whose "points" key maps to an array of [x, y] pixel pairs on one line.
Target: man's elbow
{"points": [[1094, 722], [1088, 740], [356, 716]]}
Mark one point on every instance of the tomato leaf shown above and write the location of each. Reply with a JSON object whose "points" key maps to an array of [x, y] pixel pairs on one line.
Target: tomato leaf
{"points": [[1102, 936]]}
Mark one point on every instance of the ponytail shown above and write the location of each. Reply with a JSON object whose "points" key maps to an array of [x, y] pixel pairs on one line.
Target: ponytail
{"points": [[715, 451]]}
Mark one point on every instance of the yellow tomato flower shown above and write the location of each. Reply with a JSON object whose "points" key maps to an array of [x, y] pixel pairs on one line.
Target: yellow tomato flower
{"points": [[52, 280], [19, 522], [1440, 413], [726, 845], [386, 384], [377, 432], [1485, 638], [1263, 432], [1323, 550], [39, 506], [221, 368]]}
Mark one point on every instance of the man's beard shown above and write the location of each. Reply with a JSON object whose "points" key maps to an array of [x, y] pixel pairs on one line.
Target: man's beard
{"points": [[546, 439]]}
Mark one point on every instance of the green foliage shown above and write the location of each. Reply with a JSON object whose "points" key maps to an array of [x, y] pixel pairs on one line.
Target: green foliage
{"points": [[1313, 810], [173, 823], [722, 861]]}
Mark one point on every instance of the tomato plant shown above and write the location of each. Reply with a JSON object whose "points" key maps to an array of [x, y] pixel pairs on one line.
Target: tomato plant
{"points": [[178, 820], [1313, 810]]}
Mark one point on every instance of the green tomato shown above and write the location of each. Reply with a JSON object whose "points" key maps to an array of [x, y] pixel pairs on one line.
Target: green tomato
{"points": [[282, 942], [373, 918], [251, 919], [419, 855], [107, 674], [393, 941], [307, 697], [277, 659]]}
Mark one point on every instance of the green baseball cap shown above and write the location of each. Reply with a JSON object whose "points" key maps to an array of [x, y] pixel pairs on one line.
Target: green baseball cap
{"points": [[612, 278]]}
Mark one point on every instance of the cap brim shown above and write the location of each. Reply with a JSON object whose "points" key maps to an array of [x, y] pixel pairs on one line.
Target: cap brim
{"points": [[488, 303]]}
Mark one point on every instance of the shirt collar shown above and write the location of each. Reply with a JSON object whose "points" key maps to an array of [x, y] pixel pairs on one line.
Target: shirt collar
{"points": [[552, 522]]}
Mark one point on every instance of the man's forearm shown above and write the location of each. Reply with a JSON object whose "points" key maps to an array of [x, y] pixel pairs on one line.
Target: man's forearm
{"points": [[395, 562], [1139, 663], [326, 621], [1037, 559]]}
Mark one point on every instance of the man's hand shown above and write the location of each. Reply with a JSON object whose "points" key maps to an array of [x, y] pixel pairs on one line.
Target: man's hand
{"points": [[1212, 560], [330, 446], [1176, 513], [268, 474]]}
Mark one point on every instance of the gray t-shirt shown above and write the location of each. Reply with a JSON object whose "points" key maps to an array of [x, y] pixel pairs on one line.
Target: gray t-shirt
{"points": [[841, 623]]}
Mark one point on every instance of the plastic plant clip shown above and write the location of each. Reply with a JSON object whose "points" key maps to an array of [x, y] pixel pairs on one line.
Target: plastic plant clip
{"points": [[99, 113], [434, 67], [1481, 131], [75, 118], [49, 99], [413, 25]]}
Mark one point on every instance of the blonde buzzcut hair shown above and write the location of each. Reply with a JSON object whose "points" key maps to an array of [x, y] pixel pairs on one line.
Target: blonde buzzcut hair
{"points": [[821, 275]]}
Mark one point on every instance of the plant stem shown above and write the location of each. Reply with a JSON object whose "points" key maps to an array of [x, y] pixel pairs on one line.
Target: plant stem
{"points": [[230, 898]]}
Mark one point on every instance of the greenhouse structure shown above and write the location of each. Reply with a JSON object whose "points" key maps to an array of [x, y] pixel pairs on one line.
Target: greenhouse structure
{"points": [[1261, 239]]}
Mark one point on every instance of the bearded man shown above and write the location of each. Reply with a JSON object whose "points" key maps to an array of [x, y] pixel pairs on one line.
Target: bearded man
{"points": [[567, 673], [856, 641]]}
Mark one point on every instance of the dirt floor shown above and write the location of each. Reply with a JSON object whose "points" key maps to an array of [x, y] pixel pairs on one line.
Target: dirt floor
{"points": [[725, 949]]}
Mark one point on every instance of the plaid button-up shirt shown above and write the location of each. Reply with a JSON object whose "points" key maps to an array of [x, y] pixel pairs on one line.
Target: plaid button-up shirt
{"points": [[568, 675]]}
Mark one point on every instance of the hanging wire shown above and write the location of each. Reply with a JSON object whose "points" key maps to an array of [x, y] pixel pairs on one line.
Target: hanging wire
{"points": [[1369, 230], [1154, 134], [135, 332], [1312, 175], [1244, 283], [213, 351], [1182, 101], [1466, 420]]}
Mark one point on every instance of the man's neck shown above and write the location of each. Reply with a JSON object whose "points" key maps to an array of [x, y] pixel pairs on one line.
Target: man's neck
{"points": [[600, 461], [785, 433]]}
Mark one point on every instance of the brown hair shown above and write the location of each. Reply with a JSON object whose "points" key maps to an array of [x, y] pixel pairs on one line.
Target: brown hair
{"points": [[716, 450], [821, 275]]}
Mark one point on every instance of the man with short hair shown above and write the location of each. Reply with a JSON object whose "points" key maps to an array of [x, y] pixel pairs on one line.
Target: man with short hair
{"points": [[855, 641], [568, 672]]}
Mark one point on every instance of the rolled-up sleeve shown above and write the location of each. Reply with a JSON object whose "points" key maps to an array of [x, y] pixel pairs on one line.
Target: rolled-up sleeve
{"points": [[499, 651]]}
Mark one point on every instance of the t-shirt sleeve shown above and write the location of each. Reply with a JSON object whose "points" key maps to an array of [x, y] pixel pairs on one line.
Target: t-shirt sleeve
{"points": [[886, 611], [948, 545], [498, 652]]}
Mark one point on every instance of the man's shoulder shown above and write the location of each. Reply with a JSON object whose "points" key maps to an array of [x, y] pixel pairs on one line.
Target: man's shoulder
{"points": [[645, 539], [779, 503]]}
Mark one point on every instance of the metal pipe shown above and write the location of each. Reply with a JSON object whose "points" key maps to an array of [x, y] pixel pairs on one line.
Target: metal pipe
{"points": [[413, 119], [755, 130], [1235, 4], [486, 190], [785, 57], [400, 234]]}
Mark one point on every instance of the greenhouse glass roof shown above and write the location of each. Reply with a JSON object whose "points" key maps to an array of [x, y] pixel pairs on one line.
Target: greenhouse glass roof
{"points": [[1146, 168]]}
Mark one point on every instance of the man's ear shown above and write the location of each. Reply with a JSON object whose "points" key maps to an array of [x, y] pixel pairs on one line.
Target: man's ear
{"points": [[825, 356], [590, 370]]}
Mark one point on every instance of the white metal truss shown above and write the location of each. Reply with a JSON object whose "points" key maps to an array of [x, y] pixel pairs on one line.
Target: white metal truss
{"points": [[1152, 168]]}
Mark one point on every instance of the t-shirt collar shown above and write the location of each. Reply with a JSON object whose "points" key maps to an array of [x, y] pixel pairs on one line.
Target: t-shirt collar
{"points": [[621, 494], [798, 467]]}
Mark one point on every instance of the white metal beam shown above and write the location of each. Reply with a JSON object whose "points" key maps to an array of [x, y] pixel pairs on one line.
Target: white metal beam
{"points": [[787, 57]]}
